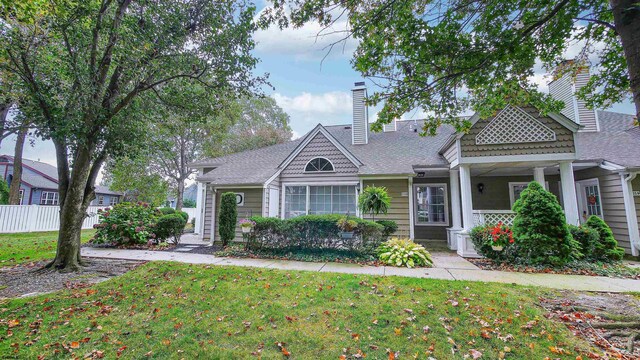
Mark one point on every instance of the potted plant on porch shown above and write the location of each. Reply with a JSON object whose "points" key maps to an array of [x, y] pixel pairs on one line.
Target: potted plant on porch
{"points": [[500, 236], [346, 227]]}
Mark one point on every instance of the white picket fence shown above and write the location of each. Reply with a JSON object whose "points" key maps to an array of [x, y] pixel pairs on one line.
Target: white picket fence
{"points": [[29, 218]]}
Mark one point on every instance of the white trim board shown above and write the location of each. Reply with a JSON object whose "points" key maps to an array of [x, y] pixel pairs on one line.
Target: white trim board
{"points": [[518, 158]]}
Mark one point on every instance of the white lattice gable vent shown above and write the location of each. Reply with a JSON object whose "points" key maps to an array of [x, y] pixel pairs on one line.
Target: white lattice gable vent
{"points": [[513, 125]]}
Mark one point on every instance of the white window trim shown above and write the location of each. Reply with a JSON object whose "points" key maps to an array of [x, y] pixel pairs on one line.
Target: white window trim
{"points": [[513, 184], [55, 199], [101, 200], [283, 194], [113, 200], [580, 195], [21, 196], [446, 205], [319, 171]]}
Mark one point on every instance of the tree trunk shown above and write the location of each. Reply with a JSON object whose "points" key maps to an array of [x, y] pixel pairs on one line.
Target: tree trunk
{"points": [[73, 210], [14, 188], [626, 15], [180, 197], [4, 111]]}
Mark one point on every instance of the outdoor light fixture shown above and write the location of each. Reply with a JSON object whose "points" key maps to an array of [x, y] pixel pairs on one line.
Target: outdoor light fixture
{"points": [[420, 174], [480, 187]]}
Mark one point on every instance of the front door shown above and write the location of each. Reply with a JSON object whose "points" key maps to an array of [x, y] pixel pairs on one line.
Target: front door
{"points": [[589, 200]]}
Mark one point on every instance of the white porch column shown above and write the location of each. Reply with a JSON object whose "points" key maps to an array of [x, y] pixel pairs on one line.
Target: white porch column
{"points": [[569, 193], [538, 176], [456, 219], [412, 234], [464, 246], [630, 212], [465, 197]]}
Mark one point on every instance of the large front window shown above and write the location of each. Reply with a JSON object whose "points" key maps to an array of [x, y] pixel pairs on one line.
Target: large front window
{"points": [[431, 204], [325, 199]]}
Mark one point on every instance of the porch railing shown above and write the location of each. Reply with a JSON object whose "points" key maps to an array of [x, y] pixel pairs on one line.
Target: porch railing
{"points": [[481, 217]]}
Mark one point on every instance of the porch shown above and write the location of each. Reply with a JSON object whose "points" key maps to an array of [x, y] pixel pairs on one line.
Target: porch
{"points": [[485, 193]]}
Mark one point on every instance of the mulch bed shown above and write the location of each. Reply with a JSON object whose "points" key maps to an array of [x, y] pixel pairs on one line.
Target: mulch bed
{"points": [[607, 321], [26, 280], [611, 270]]}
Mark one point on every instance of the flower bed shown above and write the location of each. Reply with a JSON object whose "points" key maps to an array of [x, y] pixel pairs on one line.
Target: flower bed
{"points": [[312, 255], [618, 270]]}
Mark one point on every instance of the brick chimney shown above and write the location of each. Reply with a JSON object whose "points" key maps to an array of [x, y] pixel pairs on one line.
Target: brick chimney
{"points": [[360, 127]]}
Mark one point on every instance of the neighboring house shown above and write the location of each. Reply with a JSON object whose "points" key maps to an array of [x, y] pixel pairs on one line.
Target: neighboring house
{"points": [[444, 185], [189, 194], [39, 185]]}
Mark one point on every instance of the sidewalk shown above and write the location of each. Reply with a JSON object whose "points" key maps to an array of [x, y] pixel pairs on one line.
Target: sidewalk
{"points": [[447, 267]]}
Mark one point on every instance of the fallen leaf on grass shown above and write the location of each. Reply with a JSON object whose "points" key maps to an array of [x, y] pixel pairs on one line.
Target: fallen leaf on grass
{"points": [[475, 354]]}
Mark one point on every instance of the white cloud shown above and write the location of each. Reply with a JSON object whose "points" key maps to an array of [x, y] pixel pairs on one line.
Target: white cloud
{"points": [[334, 102], [309, 42]]}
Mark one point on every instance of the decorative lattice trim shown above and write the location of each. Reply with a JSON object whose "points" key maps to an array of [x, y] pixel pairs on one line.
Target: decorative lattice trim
{"points": [[511, 126], [493, 218]]}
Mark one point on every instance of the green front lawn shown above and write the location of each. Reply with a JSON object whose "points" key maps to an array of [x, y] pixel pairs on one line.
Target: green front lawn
{"points": [[170, 310], [27, 247]]}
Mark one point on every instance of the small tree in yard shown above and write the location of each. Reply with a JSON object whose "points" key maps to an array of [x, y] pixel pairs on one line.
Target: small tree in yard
{"points": [[606, 248], [4, 192], [227, 218], [540, 228], [374, 200]]}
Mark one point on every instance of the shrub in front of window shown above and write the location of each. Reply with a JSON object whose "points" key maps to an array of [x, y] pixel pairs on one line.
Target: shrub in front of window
{"points": [[228, 217], [404, 252], [314, 232], [483, 239], [540, 229], [170, 227], [606, 248], [389, 227], [189, 203], [126, 224], [374, 200], [167, 210]]}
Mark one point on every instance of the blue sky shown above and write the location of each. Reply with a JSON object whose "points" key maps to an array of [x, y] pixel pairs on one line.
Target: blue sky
{"points": [[311, 92]]}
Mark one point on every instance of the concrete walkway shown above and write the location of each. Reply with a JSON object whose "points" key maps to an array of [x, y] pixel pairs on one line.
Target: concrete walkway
{"points": [[446, 267]]}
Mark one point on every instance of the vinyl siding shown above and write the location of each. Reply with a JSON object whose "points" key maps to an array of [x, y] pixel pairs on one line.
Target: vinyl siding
{"points": [[495, 195], [399, 211], [612, 202], [360, 117], [636, 187], [562, 89], [564, 140], [586, 116], [439, 233], [206, 231], [451, 154], [252, 206]]}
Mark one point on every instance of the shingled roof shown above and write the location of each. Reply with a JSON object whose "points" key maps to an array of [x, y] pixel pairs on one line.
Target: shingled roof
{"points": [[618, 141]]}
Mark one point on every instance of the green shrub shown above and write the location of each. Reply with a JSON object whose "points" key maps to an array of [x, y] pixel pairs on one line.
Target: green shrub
{"points": [[170, 226], [481, 236], [184, 215], [374, 200], [587, 238], [389, 227], [189, 203], [314, 232], [227, 218], [4, 192], [404, 252], [606, 248], [126, 224], [540, 228], [167, 210]]}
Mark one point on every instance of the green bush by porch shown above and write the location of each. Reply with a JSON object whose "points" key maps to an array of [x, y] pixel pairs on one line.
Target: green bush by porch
{"points": [[228, 217], [606, 248], [540, 228]]}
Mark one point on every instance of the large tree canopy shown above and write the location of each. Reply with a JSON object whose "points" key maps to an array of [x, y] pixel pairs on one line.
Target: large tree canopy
{"points": [[91, 71], [447, 57]]}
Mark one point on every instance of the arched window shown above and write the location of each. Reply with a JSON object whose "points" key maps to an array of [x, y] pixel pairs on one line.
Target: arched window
{"points": [[319, 164]]}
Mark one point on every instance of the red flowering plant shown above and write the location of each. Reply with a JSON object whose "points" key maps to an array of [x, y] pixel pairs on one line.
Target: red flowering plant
{"points": [[500, 235], [126, 224]]}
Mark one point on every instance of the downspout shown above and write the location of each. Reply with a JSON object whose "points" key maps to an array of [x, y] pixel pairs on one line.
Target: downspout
{"points": [[630, 211]]}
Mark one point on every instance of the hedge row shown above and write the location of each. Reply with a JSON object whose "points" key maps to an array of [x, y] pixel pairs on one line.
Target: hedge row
{"points": [[316, 232]]}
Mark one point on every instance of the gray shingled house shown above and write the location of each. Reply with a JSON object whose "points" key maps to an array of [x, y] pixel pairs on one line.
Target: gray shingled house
{"points": [[444, 185]]}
